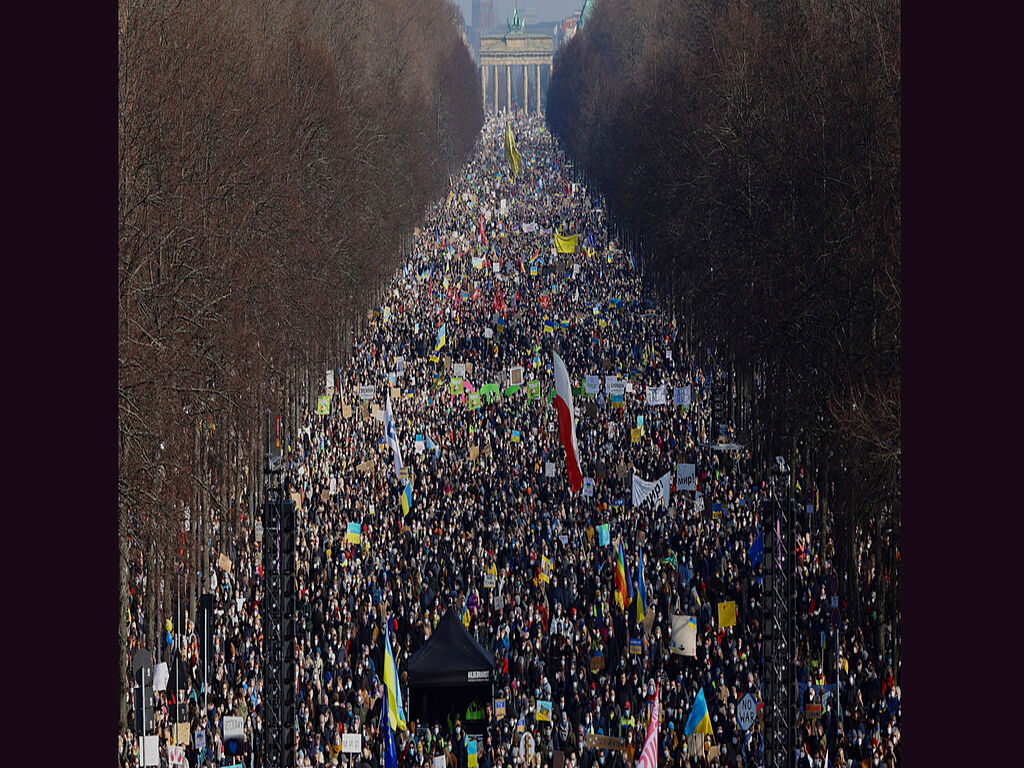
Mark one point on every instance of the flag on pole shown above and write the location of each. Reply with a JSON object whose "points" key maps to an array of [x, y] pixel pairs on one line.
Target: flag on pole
{"points": [[512, 155], [396, 712], [699, 720], [624, 593], [392, 436], [441, 337], [567, 423], [649, 754]]}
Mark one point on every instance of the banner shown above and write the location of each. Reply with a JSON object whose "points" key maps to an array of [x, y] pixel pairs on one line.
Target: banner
{"points": [[686, 477], [684, 635], [681, 396], [652, 492], [657, 395], [565, 243]]}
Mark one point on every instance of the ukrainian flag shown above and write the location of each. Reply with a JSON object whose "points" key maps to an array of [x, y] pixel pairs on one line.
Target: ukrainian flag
{"points": [[549, 326], [396, 712], [407, 499], [442, 337], [699, 720], [641, 584]]}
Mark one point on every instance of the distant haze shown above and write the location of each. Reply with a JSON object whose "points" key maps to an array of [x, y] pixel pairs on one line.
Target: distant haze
{"points": [[531, 10]]}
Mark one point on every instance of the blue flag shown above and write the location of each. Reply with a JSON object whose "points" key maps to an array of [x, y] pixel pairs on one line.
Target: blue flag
{"points": [[756, 553]]}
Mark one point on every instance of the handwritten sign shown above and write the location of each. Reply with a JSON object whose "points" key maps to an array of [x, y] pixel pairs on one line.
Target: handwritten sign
{"points": [[600, 741], [352, 742], [366, 392]]}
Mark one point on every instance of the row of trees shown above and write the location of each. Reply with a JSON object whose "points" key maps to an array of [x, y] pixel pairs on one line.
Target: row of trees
{"points": [[273, 159], [751, 152]]}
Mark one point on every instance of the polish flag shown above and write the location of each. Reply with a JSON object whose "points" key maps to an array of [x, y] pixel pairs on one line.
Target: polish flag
{"points": [[567, 423]]}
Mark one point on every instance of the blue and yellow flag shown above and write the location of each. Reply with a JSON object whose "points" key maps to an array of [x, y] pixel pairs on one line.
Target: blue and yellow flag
{"points": [[699, 720], [396, 712], [512, 155], [442, 337], [407, 498]]}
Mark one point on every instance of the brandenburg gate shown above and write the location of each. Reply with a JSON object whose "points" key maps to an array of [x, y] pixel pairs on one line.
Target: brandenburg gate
{"points": [[499, 54]]}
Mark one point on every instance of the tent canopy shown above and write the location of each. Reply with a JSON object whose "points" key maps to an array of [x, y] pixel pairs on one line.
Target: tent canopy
{"points": [[451, 657]]}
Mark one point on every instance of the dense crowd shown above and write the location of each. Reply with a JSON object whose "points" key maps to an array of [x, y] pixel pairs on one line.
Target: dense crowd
{"points": [[500, 511]]}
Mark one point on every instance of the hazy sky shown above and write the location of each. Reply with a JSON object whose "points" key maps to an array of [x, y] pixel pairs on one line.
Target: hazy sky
{"points": [[531, 10]]}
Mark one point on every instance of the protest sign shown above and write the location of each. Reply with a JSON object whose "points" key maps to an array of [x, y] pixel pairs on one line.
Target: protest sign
{"points": [[499, 709], [727, 614], [684, 635], [459, 370], [224, 562], [515, 375], [686, 477], [323, 405], [588, 486], [656, 395], [543, 711], [489, 580], [352, 742], [549, 469], [592, 384], [366, 392], [474, 452]]}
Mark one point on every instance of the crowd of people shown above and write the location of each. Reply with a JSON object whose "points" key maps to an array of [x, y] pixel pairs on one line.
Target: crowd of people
{"points": [[484, 266]]}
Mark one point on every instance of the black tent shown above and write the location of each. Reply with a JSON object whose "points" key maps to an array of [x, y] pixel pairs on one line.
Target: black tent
{"points": [[448, 672]]}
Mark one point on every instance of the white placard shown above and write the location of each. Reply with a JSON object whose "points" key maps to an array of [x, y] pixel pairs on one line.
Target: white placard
{"points": [[488, 333], [686, 477], [549, 469], [366, 391], [160, 676], [329, 382], [616, 387], [352, 742], [438, 762], [459, 370], [175, 754], [232, 727], [592, 384], [149, 750]]}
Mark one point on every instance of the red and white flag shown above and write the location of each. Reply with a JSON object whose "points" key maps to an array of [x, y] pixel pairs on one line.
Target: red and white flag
{"points": [[567, 423], [649, 754]]}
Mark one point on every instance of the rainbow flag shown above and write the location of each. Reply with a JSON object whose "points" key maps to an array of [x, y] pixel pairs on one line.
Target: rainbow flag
{"points": [[624, 595]]}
